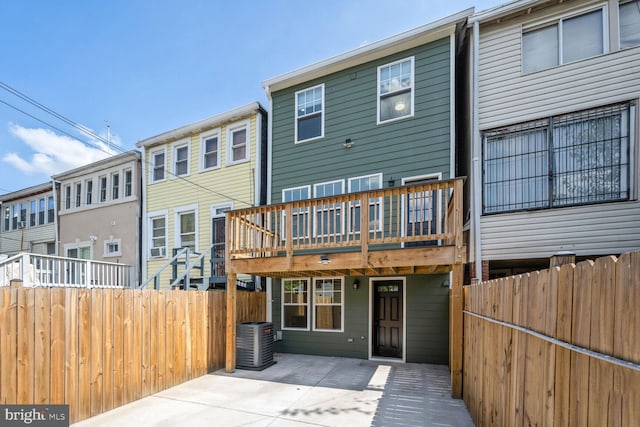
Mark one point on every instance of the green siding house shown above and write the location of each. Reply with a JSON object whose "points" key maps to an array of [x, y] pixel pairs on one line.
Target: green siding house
{"points": [[377, 126]]}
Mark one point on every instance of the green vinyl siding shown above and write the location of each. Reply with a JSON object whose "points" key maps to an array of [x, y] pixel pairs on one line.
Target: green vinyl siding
{"points": [[412, 146], [427, 327]]}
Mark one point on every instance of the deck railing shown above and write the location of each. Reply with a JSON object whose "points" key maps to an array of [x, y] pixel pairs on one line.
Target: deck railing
{"points": [[35, 270], [404, 215]]}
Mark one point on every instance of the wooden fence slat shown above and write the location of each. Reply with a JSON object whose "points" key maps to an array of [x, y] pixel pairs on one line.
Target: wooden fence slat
{"points": [[8, 345], [42, 345], [161, 329], [170, 347], [71, 368], [108, 367], [57, 366], [26, 347], [564, 277], [154, 344], [118, 348], [84, 353], [138, 346], [146, 343], [128, 345], [96, 348]]}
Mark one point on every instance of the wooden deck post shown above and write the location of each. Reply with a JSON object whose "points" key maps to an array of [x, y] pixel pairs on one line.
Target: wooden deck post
{"points": [[456, 319], [230, 363]]}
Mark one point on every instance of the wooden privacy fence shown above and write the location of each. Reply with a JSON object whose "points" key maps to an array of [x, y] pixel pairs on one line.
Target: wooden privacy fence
{"points": [[97, 349], [558, 347]]}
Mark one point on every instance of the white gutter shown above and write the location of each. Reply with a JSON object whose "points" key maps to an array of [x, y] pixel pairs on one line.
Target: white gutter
{"points": [[269, 284], [145, 219], [504, 9], [452, 104], [258, 164], [477, 154], [55, 218]]}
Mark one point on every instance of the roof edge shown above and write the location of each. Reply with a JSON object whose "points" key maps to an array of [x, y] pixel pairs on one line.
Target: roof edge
{"points": [[200, 125], [362, 54], [503, 9]]}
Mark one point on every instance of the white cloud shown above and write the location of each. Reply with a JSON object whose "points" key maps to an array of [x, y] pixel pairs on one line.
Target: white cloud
{"points": [[53, 153]]}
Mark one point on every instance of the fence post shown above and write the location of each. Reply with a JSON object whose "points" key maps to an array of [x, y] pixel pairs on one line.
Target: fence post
{"points": [[88, 275], [25, 269], [230, 357]]}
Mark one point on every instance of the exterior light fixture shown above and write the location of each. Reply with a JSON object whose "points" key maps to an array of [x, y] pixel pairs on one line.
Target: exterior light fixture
{"points": [[348, 143], [356, 284], [391, 181], [324, 259]]}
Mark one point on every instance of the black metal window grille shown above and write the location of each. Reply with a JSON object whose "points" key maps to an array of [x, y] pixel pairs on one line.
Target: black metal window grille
{"points": [[568, 160]]}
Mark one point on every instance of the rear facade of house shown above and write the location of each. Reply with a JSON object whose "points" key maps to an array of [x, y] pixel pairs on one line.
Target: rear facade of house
{"points": [[557, 132], [379, 117]]}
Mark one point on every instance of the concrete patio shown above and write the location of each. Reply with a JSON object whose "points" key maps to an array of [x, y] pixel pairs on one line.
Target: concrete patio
{"points": [[302, 390]]}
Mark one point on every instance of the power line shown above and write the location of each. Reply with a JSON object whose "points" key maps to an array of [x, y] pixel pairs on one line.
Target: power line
{"points": [[87, 131]]}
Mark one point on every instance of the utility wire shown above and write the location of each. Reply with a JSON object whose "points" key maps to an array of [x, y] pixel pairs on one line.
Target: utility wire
{"points": [[87, 131]]}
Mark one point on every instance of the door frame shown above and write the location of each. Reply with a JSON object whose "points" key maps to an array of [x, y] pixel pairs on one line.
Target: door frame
{"points": [[403, 280]]}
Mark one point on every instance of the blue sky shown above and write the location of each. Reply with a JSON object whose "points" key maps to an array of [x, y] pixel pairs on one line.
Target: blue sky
{"points": [[145, 67]]}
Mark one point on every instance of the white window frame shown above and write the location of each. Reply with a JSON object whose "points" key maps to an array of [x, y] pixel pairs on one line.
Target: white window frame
{"points": [[88, 192], [33, 213], [67, 197], [296, 118], [284, 228], [112, 241], [203, 147], [115, 185], [153, 166], [156, 215], [102, 195], [315, 304], [77, 194], [231, 129], [432, 176], [185, 143], [326, 208], [177, 212], [127, 185], [412, 90], [307, 304], [42, 210], [620, 3], [216, 207], [378, 201], [558, 21]]}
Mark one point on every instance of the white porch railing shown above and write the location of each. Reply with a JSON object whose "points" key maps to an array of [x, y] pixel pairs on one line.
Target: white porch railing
{"points": [[35, 270]]}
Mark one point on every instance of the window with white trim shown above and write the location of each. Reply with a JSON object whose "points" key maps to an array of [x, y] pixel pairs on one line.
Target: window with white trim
{"points": [[115, 186], [185, 228], [328, 301], [32, 213], [67, 196], [629, 14], [181, 159], [238, 143], [395, 90], [103, 189], [210, 149], [572, 159], [300, 215], [328, 218], [51, 211], [562, 41], [366, 183], [16, 214], [128, 183], [158, 159], [158, 236], [41, 211], [7, 218], [309, 113], [88, 185], [112, 247], [23, 214], [295, 304], [78, 194]]}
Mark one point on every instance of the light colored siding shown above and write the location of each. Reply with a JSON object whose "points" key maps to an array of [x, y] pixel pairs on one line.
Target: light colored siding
{"points": [[507, 97], [28, 239], [609, 228], [229, 183]]}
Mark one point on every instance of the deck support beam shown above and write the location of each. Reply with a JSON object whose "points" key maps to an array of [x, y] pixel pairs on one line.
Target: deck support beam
{"points": [[230, 341], [456, 324]]}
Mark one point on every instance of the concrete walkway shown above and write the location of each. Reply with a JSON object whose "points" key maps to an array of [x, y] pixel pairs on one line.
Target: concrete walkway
{"points": [[301, 391]]}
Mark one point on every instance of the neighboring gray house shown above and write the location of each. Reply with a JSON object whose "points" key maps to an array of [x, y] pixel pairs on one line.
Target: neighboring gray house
{"points": [[375, 126], [555, 132], [100, 210], [29, 220]]}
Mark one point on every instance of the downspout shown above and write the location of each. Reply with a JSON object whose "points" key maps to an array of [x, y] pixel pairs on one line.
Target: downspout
{"points": [[55, 218], [269, 283], [477, 155], [144, 230]]}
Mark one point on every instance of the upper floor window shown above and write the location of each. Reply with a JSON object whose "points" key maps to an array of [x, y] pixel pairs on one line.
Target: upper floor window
{"points": [[574, 159], [566, 40], [158, 165], [238, 148], [23, 214], [41, 211], [328, 217], [51, 209], [88, 185], [128, 183], [103, 189], [395, 90], [15, 216], [310, 113], [115, 186], [210, 149], [113, 247], [78, 195], [67, 197], [629, 23], [300, 215], [7, 218], [181, 160], [366, 183], [33, 213]]}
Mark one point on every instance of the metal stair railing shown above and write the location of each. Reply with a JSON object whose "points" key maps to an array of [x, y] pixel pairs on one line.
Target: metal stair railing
{"points": [[156, 277], [197, 263]]}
